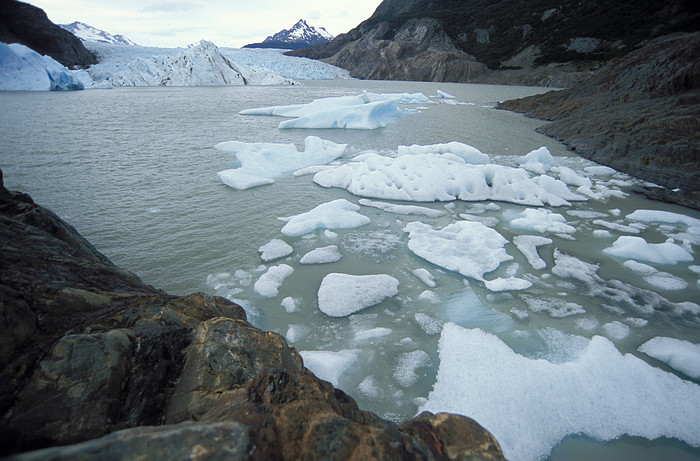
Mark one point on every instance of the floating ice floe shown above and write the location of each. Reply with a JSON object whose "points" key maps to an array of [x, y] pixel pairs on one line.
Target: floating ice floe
{"points": [[653, 276], [372, 333], [507, 284], [342, 294], [367, 111], [680, 355], [429, 325], [442, 177], [328, 365], [290, 304], [527, 244], [468, 153], [338, 214], [403, 209], [538, 161], [470, 248], [405, 370], [616, 226], [542, 220], [275, 249], [322, 255], [425, 276], [268, 284], [23, 69], [482, 377], [262, 162], [637, 248]]}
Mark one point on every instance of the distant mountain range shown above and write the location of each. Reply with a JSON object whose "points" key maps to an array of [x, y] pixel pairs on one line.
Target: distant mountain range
{"points": [[301, 35], [88, 33]]}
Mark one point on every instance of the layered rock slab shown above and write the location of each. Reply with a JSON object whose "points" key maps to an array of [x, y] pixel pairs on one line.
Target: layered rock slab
{"points": [[94, 362]]}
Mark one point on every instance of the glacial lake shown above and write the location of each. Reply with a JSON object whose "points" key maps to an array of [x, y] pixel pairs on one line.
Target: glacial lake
{"points": [[135, 171]]}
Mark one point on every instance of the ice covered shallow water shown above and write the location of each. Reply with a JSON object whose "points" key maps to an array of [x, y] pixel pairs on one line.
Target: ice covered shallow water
{"points": [[138, 177]]}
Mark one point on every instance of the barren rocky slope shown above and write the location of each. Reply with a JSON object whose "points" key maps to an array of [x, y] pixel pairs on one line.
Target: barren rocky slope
{"points": [[94, 364], [532, 42], [640, 115]]}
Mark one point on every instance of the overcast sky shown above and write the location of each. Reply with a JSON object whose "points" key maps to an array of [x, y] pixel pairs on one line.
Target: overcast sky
{"points": [[231, 23]]}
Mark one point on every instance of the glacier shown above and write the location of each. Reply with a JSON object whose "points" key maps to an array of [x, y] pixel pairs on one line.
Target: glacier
{"points": [[23, 69]]}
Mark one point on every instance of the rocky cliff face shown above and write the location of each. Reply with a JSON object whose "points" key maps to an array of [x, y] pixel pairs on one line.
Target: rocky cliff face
{"points": [[520, 42], [29, 25], [418, 50], [95, 363], [640, 114]]}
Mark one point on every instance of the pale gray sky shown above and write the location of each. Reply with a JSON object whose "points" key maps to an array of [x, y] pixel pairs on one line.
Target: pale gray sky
{"points": [[231, 23]]}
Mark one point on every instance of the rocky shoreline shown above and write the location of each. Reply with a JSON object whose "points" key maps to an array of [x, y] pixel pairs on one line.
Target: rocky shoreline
{"points": [[640, 114], [97, 364]]}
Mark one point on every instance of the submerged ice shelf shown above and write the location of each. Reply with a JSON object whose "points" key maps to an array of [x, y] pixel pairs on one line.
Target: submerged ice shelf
{"points": [[496, 255]]}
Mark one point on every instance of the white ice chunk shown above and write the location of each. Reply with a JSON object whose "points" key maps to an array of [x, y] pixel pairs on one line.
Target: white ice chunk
{"points": [[542, 220], [268, 284], [372, 333], [601, 394], [468, 153], [368, 387], [290, 304], [425, 276], [527, 244], [429, 325], [440, 177], [586, 214], [599, 170], [322, 255], [616, 226], [296, 332], [507, 284], [637, 248], [338, 214], [490, 221], [403, 209], [572, 178], [538, 161], [600, 233], [680, 355], [616, 330], [666, 281], [444, 95], [664, 217], [408, 362], [328, 365], [429, 296], [369, 116], [275, 249], [343, 294], [262, 162], [470, 248]]}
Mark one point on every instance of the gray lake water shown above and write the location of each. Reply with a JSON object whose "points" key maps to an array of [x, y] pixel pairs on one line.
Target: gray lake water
{"points": [[134, 170]]}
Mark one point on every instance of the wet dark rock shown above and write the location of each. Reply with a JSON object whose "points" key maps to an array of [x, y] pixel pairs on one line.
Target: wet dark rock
{"points": [[96, 364], [640, 114], [29, 25]]}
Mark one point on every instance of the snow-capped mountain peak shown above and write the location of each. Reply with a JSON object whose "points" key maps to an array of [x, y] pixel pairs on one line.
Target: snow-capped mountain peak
{"points": [[87, 33], [301, 35]]}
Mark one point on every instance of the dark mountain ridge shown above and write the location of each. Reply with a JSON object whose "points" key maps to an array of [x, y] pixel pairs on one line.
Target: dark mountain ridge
{"points": [[29, 25], [509, 34]]}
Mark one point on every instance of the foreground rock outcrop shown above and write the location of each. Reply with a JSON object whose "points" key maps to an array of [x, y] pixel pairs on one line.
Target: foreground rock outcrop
{"points": [[640, 115], [96, 364], [29, 25]]}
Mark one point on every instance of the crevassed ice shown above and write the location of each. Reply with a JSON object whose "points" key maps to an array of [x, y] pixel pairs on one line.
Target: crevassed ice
{"points": [[262, 162], [23, 69], [482, 377]]}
